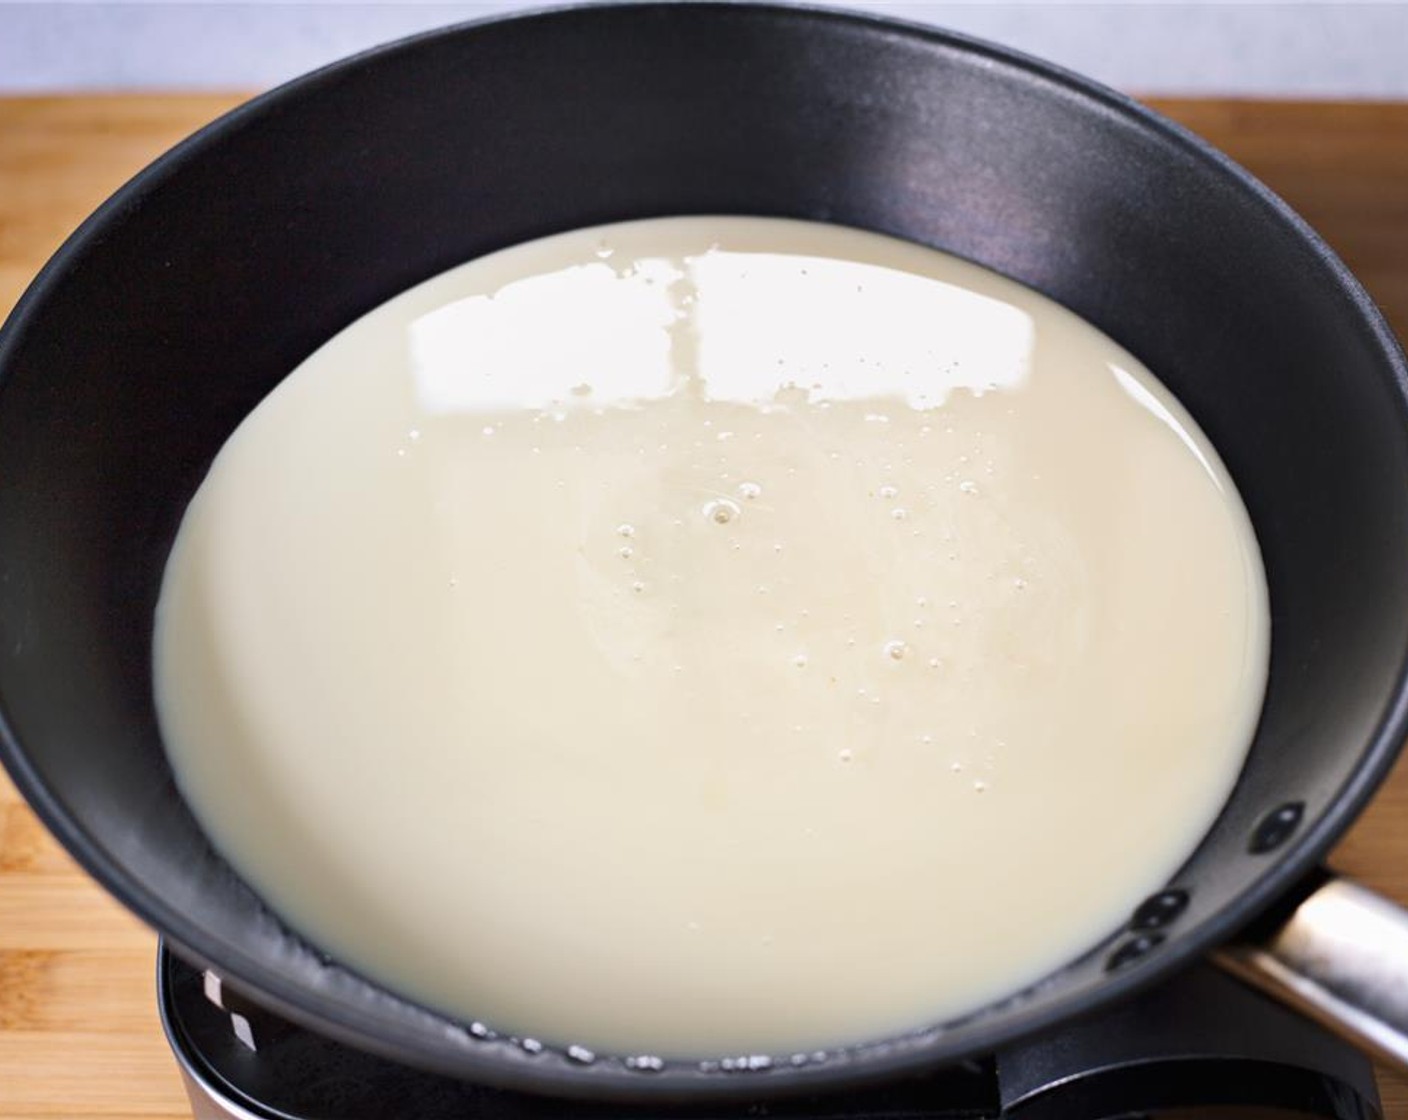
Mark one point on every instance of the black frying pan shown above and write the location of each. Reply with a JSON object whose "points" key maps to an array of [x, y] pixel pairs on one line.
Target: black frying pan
{"points": [[200, 284]]}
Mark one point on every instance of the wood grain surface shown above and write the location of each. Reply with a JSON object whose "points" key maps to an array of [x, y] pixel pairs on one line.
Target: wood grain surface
{"points": [[78, 1030]]}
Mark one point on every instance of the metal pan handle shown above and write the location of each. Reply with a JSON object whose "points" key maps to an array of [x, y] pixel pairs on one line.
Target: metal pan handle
{"points": [[1341, 958]]}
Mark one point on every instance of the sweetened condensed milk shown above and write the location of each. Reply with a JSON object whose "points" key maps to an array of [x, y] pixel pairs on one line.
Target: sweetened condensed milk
{"points": [[712, 635]]}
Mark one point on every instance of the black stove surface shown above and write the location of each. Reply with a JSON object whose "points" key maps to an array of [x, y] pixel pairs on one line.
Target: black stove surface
{"points": [[1200, 1047]]}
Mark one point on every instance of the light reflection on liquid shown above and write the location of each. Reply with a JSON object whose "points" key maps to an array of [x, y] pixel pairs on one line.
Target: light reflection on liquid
{"points": [[756, 328]]}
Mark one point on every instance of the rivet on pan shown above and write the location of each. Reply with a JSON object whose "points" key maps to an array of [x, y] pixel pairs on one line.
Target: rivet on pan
{"points": [[1276, 827], [530, 1045], [214, 988], [709, 1067], [1159, 910], [480, 1031], [646, 1063], [581, 1055], [1132, 950], [799, 1059]]}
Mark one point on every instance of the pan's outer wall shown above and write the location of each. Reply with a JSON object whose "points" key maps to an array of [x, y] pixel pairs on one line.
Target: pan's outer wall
{"points": [[174, 310]]}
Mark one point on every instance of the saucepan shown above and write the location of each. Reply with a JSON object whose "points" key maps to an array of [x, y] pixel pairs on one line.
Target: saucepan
{"points": [[206, 279]]}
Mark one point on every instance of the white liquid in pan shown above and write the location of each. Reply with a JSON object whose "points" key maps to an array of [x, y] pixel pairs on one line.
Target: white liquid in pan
{"points": [[712, 635]]}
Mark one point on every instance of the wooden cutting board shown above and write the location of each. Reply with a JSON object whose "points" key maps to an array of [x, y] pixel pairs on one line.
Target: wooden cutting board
{"points": [[78, 1031]]}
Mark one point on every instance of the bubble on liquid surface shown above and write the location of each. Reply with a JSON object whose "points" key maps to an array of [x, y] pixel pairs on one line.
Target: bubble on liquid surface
{"points": [[968, 486], [889, 491], [625, 530], [749, 490], [800, 661], [899, 513], [625, 552], [721, 511], [895, 650]]}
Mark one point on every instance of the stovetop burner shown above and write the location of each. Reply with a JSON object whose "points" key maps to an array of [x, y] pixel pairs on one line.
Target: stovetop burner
{"points": [[1201, 1046]]}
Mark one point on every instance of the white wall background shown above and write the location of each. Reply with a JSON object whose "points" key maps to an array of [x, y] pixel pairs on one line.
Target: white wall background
{"points": [[1279, 49]]}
